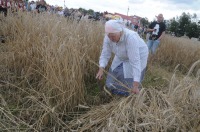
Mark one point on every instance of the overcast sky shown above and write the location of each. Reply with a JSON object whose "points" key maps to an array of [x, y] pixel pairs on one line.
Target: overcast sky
{"points": [[143, 8]]}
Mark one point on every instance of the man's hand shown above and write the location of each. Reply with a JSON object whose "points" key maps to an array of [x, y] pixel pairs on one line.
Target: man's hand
{"points": [[150, 30], [100, 73], [135, 89]]}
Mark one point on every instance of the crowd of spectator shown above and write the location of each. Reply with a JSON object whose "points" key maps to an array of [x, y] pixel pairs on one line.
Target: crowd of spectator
{"points": [[40, 6], [26, 5]]}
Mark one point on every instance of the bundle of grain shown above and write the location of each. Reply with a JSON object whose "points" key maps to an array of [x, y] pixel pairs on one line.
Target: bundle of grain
{"points": [[151, 110]]}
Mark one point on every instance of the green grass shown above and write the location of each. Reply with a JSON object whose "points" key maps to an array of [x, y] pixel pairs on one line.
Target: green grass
{"points": [[156, 78]]}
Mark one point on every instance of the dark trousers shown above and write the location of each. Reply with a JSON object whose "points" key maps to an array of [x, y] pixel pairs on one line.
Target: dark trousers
{"points": [[117, 84], [4, 11]]}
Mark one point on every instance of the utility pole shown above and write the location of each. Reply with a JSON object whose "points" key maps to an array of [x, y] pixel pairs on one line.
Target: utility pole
{"points": [[127, 10], [64, 4]]}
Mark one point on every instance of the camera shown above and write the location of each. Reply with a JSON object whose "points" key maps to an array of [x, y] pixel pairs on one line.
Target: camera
{"points": [[153, 36]]}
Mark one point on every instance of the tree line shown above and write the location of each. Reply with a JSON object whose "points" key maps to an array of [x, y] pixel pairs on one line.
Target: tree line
{"points": [[186, 24]]}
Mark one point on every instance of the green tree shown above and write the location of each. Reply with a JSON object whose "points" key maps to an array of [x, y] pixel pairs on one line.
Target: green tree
{"points": [[192, 30], [198, 29], [144, 21], [174, 26], [194, 17], [184, 22], [82, 10], [90, 11]]}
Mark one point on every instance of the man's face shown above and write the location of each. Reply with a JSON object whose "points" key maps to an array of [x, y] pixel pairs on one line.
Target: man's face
{"points": [[160, 18], [42, 2], [114, 37]]}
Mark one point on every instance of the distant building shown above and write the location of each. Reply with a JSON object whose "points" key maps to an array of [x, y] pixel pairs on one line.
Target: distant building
{"points": [[128, 20], [135, 20], [125, 18]]}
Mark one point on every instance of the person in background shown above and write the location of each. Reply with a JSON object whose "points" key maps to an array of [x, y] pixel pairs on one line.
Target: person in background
{"points": [[131, 54], [60, 11], [41, 7], [28, 7], [157, 32], [21, 6], [26, 3], [136, 28], [4, 5], [32, 5]]}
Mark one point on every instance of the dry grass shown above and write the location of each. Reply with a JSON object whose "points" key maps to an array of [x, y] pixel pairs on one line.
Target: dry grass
{"points": [[174, 109], [178, 51], [44, 68], [46, 63]]}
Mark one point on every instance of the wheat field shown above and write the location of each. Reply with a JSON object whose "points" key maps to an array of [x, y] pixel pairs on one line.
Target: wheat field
{"points": [[48, 61]]}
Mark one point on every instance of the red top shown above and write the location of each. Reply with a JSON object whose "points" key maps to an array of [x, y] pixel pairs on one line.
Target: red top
{"points": [[5, 3], [8, 4]]}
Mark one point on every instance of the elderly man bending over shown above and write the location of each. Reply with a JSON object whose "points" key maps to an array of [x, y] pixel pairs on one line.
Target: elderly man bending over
{"points": [[128, 66]]}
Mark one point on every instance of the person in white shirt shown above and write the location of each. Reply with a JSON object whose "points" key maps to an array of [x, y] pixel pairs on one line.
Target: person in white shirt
{"points": [[128, 66], [33, 5], [60, 13]]}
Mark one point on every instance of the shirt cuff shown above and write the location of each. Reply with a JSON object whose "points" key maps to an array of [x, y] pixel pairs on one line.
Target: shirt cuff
{"points": [[102, 65], [136, 79]]}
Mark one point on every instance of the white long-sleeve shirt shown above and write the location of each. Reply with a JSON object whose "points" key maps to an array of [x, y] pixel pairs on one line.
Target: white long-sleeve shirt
{"points": [[131, 50]]}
